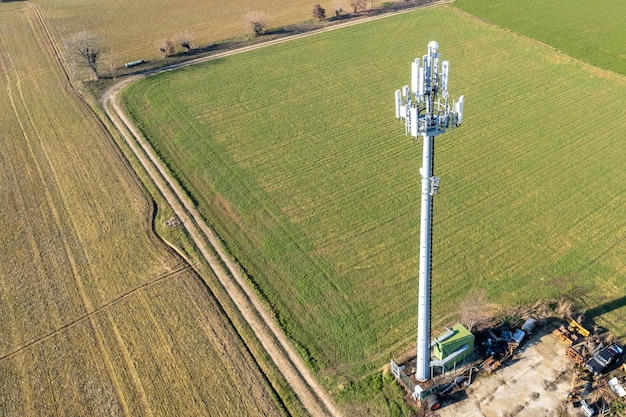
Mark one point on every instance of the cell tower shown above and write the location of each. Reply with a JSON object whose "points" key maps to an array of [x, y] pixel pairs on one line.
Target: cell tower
{"points": [[427, 112]]}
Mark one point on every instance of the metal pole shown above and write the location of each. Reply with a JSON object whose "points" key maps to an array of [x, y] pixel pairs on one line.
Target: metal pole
{"points": [[425, 115], [422, 372]]}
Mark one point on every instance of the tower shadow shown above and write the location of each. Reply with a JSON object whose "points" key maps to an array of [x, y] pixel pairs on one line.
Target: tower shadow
{"points": [[592, 314], [605, 308]]}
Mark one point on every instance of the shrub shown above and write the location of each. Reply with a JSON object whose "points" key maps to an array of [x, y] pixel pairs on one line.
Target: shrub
{"points": [[256, 22], [318, 12]]}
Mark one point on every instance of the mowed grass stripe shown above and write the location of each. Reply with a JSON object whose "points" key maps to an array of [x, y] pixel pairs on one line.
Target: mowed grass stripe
{"points": [[586, 30], [294, 155]]}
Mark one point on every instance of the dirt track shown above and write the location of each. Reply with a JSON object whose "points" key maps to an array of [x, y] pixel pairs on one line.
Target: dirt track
{"points": [[311, 394]]}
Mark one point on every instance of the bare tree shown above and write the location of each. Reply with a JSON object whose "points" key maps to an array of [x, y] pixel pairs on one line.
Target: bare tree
{"points": [[85, 49], [185, 39], [256, 22], [318, 12], [475, 311], [166, 46]]}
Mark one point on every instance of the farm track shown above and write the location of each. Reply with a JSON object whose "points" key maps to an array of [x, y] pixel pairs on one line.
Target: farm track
{"points": [[311, 394]]}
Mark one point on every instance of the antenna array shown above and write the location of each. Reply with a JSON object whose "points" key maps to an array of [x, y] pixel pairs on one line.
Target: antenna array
{"points": [[425, 107]]}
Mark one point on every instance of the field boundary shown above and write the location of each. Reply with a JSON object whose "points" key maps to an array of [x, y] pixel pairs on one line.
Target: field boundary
{"points": [[280, 39], [535, 41], [311, 394]]}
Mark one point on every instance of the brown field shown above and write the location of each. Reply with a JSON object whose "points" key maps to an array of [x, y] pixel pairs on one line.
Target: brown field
{"points": [[134, 29], [97, 316]]}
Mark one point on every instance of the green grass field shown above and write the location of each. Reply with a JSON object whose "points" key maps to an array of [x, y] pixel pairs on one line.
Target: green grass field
{"points": [[97, 316], [294, 155], [593, 32]]}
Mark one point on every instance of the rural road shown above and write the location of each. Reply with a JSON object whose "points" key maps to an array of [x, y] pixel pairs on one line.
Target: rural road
{"points": [[313, 396]]}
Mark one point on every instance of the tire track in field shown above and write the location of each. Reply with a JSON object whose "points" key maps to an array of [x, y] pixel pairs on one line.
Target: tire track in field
{"points": [[54, 211], [88, 315], [55, 208], [129, 365], [20, 200]]}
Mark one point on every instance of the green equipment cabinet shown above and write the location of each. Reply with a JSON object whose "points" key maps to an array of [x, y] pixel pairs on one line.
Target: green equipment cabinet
{"points": [[453, 346]]}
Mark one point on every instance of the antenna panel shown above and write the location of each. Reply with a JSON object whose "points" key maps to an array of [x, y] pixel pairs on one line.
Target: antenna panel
{"points": [[414, 75], [413, 122], [398, 103], [444, 75], [458, 109]]}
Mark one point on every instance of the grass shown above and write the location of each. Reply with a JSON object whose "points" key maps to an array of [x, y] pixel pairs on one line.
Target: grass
{"points": [[588, 31], [293, 154], [97, 315]]}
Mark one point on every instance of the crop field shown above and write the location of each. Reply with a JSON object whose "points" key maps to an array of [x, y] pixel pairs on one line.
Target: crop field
{"points": [[133, 30], [97, 316], [294, 155], [586, 30]]}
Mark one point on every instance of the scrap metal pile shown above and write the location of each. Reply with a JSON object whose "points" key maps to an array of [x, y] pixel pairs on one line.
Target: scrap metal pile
{"points": [[598, 382]]}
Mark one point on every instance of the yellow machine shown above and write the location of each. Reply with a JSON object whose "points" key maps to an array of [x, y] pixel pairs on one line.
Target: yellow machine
{"points": [[574, 326]]}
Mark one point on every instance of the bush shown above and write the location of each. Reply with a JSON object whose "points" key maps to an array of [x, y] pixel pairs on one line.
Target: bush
{"points": [[166, 47], [318, 12], [185, 40], [256, 22]]}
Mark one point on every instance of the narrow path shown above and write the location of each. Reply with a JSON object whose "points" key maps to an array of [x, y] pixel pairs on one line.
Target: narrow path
{"points": [[312, 395], [89, 314]]}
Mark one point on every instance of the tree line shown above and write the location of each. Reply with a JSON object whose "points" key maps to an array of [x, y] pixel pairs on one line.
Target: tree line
{"points": [[87, 49]]}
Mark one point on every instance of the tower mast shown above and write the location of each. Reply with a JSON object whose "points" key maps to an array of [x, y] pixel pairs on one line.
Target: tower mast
{"points": [[426, 112]]}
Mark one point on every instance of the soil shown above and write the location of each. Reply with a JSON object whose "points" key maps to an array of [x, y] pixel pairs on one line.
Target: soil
{"points": [[534, 383]]}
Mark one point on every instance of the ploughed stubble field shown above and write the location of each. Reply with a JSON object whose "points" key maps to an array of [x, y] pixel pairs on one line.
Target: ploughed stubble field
{"points": [[134, 30], [97, 316]]}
